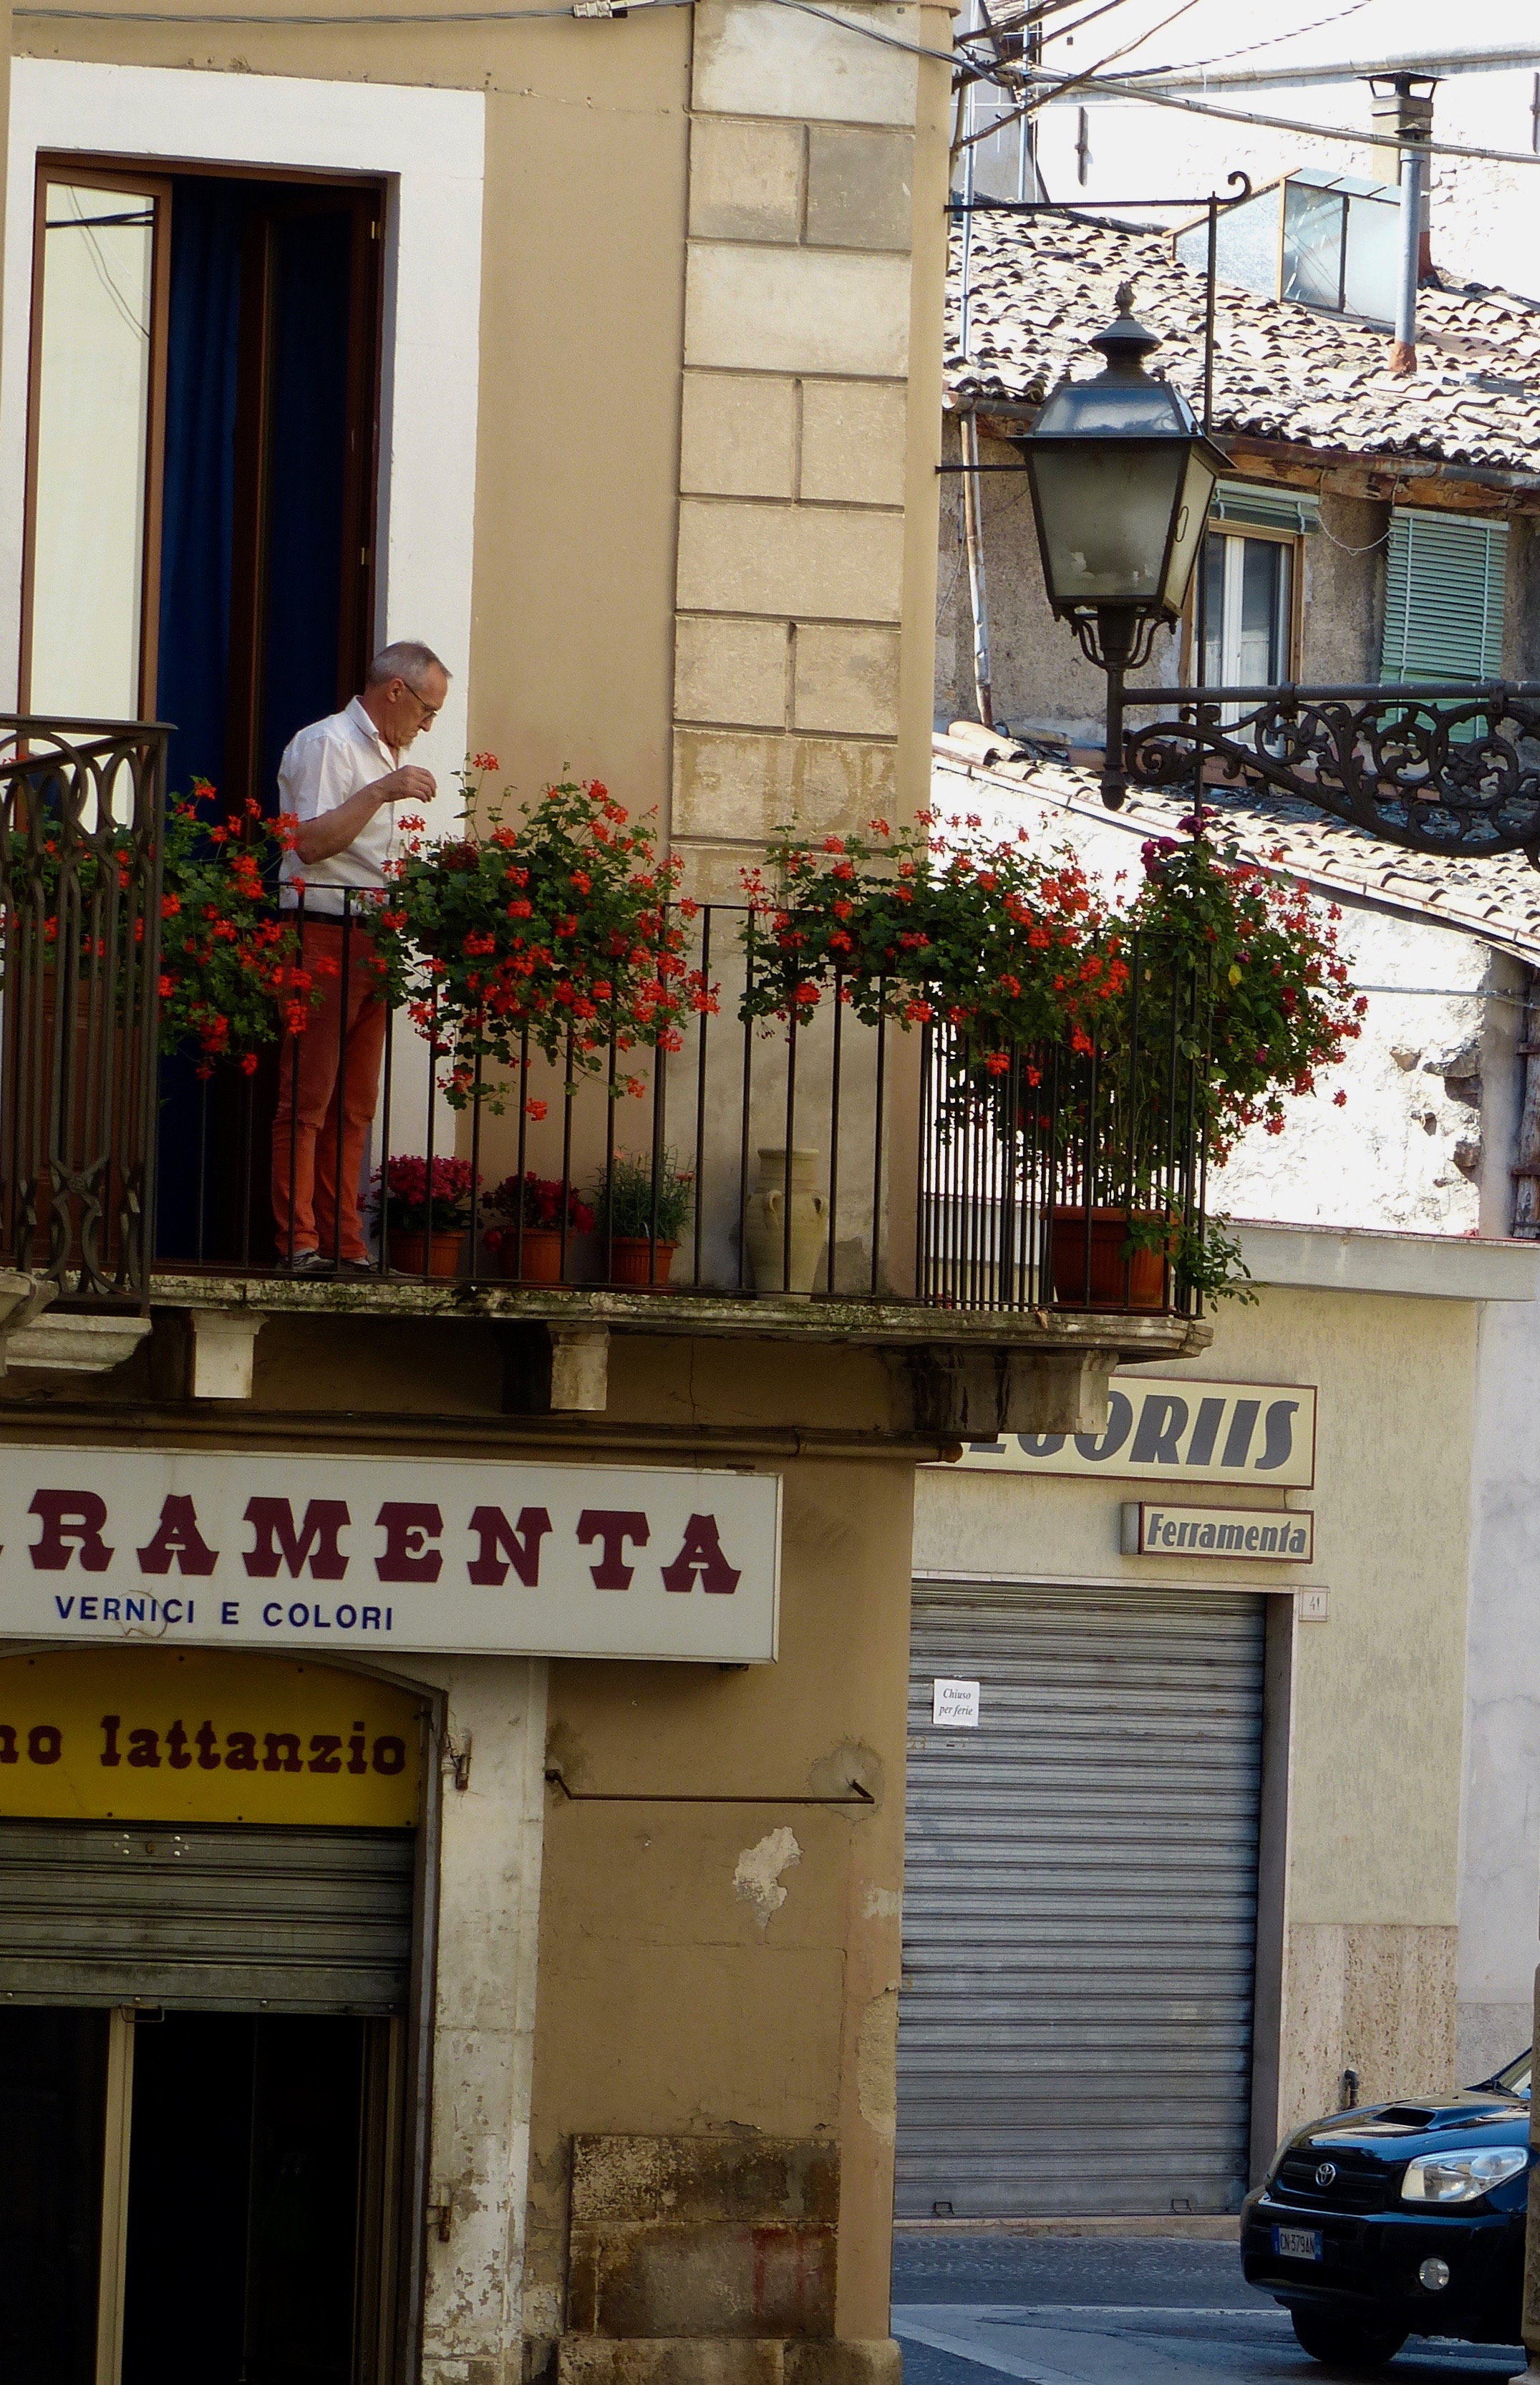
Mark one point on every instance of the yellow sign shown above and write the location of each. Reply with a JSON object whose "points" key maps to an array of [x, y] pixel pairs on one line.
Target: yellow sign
{"points": [[190, 1735]]}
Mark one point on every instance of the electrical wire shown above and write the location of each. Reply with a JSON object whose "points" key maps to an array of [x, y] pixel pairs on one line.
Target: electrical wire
{"points": [[1115, 87], [1250, 49]]}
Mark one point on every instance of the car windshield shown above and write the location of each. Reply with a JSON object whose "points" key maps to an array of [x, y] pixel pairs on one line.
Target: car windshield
{"points": [[1514, 2080]]}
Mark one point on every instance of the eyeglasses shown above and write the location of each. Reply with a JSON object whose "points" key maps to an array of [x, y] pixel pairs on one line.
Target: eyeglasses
{"points": [[429, 711]]}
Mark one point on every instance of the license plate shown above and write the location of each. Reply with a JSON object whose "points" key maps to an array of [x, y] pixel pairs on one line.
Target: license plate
{"points": [[1296, 2244]]}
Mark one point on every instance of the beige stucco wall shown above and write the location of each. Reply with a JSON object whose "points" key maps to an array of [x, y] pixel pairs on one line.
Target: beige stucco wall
{"points": [[712, 257], [1370, 1727], [671, 2000]]}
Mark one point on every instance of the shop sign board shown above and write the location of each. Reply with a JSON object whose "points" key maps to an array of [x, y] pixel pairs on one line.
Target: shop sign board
{"points": [[361, 1556], [1174, 1431], [1279, 1536], [196, 1735]]}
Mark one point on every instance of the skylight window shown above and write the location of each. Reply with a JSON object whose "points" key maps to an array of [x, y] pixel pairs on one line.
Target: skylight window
{"points": [[1327, 239]]}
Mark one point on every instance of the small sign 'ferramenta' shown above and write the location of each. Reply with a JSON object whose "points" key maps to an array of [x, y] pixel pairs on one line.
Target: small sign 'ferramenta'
{"points": [[1279, 1536], [361, 1553]]}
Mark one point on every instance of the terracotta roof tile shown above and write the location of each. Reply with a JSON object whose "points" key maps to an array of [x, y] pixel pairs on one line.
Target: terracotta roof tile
{"points": [[1037, 289], [1498, 900]]}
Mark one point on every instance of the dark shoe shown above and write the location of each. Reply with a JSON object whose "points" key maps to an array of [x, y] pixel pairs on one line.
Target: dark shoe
{"points": [[312, 1264], [357, 1268]]}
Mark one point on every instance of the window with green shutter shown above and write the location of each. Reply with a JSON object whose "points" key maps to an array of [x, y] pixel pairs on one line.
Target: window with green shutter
{"points": [[1444, 584]]}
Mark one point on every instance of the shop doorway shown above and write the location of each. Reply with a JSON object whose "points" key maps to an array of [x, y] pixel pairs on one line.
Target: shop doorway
{"points": [[237, 2243], [207, 2012]]}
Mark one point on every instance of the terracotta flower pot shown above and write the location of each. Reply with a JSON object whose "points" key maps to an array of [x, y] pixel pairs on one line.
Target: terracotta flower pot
{"points": [[426, 1254], [633, 1260], [535, 1260], [1119, 1278]]}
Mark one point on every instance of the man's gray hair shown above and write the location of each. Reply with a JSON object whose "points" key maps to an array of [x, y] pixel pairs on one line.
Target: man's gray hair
{"points": [[406, 659]]}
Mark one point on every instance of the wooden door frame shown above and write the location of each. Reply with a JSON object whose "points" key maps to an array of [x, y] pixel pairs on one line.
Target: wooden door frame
{"points": [[57, 167], [363, 402]]}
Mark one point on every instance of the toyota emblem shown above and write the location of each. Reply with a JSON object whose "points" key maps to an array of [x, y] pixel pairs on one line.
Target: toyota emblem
{"points": [[1326, 2174]]}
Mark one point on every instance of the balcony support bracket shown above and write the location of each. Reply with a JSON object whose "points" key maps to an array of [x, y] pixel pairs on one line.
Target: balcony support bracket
{"points": [[978, 1395], [554, 1369], [221, 1355]]}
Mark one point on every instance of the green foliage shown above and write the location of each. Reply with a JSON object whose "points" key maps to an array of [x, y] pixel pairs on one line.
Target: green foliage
{"points": [[228, 972], [561, 933], [626, 1206], [228, 969], [1117, 1040]]}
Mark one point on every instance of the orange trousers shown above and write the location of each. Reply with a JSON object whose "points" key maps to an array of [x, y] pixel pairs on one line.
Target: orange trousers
{"points": [[328, 1085]]}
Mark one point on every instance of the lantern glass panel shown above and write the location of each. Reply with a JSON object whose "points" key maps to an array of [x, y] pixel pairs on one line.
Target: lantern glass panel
{"points": [[1197, 489], [1106, 507]]}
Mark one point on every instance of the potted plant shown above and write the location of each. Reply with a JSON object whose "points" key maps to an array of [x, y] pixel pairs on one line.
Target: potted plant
{"points": [[559, 935], [424, 1211], [642, 1214], [538, 1215], [1112, 1045], [228, 972]]}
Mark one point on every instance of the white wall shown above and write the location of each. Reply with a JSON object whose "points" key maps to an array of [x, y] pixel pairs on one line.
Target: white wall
{"points": [[1499, 1947]]}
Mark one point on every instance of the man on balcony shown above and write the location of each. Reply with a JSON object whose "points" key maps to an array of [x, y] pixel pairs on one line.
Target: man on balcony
{"points": [[340, 780]]}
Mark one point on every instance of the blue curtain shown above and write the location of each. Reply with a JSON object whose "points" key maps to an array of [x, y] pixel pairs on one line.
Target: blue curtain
{"points": [[203, 354], [204, 1151], [307, 459], [310, 436]]}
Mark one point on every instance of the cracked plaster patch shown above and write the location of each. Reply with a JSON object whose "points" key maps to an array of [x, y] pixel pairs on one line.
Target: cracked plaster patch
{"points": [[757, 1879]]}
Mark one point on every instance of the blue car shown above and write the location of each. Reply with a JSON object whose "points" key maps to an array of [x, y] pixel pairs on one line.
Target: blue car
{"points": [[1398, 2220]]}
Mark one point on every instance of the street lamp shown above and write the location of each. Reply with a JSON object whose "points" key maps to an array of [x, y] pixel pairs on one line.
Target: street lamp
{"points": [[1121, 479]]}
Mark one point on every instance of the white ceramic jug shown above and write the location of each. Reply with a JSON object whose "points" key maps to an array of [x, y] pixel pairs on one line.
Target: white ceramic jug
{"points": [[765, 1222]]}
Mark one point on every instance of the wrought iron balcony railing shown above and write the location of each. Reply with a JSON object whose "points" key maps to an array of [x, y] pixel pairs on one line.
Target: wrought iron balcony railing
{"points": [[816, 1157], [1447, 768], [81, 807]]}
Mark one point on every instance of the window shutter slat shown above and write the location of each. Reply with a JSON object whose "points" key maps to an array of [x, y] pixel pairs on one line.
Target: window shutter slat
{"points": [[1446, 582]]}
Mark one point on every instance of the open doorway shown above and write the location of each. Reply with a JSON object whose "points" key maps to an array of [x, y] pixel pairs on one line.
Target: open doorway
{"points": [[202, 447], [203, 410], [194, 2198]]}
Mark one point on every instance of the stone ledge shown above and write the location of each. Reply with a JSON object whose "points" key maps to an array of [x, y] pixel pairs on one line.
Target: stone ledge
{"points": [[971, 1375], [726, 2360], [64, 1342], [747, 1316]]}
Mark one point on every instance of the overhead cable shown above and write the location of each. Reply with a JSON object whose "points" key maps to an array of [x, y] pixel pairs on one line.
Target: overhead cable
{"points": [[1115, 87], [1199, 74]]}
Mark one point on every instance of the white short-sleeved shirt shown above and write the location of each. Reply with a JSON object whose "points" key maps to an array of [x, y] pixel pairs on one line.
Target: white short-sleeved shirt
{"points": [[321, 768]]}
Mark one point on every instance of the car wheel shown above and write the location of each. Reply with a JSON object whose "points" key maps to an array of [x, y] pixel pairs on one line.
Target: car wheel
{"points": [[1346, 2343]]}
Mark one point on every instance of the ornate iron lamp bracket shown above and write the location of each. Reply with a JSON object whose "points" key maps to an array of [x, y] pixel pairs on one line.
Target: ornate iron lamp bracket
{"points": [[1443, 768]]}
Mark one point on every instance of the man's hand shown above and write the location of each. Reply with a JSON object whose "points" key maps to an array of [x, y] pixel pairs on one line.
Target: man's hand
{"points": [[331, 832], [410, 784]]}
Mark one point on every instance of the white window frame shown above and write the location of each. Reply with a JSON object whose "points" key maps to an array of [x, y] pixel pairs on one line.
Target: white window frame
{"points": [[428, 147]]}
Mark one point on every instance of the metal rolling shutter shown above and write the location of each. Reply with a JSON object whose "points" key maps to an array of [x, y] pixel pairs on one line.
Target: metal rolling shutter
{"points": [[1445, 594], [1080, 1903], [227, 1918]]}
